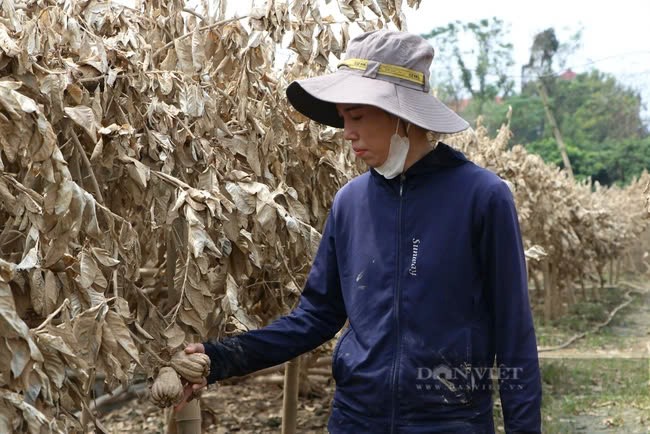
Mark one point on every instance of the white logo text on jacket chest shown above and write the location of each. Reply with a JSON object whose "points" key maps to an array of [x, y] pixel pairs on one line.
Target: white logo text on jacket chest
{"points": [[413, 269]]}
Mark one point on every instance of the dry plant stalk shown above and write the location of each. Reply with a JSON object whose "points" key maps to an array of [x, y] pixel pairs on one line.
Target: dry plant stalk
{"points": [[143, 139], [122, 135]]}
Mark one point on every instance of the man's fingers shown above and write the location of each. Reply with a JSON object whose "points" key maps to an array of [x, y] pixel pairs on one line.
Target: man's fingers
{"points": [[194, 348], [178, 407], [188, 391], [191, 348], [200, 385]]}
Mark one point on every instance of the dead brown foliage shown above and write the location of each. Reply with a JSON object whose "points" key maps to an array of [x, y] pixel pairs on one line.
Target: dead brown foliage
{"points": [[155, 187]]}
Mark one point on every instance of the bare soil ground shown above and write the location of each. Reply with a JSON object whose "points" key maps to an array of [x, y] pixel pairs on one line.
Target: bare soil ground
{"points": [[247, 408]]}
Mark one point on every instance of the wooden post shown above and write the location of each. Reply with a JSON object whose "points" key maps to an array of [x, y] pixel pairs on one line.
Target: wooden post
{"points": [[290, 401], [173, 296], [171, 421], [538, 286], [601, 285], [571, 295], [188, 420], [555, 294], [548, 298], [611, 272]]}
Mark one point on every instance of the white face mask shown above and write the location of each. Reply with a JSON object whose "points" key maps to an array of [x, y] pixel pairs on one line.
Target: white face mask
{"points": [[399, 148]]}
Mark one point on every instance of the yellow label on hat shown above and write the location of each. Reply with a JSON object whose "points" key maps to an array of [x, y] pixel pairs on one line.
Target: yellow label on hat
{"points": [[386, 69]]}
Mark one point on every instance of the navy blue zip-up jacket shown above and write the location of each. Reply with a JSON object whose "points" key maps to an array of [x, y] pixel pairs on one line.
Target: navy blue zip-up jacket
{"points": [[429, 270]]}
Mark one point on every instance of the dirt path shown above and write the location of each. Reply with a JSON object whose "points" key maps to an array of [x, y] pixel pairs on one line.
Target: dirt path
{"points": [[245, 408], [601, 384]]}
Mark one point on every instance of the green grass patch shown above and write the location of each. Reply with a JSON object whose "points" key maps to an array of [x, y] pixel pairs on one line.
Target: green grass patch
{"points": [[575, 391], [574, 387], [579, 318]]}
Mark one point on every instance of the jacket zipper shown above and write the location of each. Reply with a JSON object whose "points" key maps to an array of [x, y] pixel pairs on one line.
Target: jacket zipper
{"points": [[397, 306]]}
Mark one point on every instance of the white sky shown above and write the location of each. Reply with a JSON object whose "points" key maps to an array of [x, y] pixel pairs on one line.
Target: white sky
{"points": [[615, 35]]}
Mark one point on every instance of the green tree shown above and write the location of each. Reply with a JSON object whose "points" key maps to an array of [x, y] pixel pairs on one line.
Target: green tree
{"points": [[608, 163], [592, 118], [473, 59], [606, 138], [527, 123], [599, 118], [594, 108]]}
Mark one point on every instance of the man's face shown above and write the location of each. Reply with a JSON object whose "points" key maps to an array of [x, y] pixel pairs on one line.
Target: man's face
{"points": [[369, 130]]}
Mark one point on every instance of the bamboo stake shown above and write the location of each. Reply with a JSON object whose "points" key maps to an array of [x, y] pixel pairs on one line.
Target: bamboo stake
{"points": [[556, 296], [290, 401], [548, 298], [611, 272], [601, 279], [87, 415], [116, 253], [170, 269], [171, 421], [538, 286], [188, 420]]}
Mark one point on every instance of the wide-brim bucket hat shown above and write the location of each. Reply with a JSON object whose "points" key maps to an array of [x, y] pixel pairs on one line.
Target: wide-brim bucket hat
{"points": [[385, 69]]}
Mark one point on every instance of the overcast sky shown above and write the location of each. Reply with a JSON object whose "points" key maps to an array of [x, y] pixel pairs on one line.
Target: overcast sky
{"points": [[615, 35]]}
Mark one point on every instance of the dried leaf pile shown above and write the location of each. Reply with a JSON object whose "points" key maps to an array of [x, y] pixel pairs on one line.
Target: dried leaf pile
{"points": [[156, 188], [571, 230]]}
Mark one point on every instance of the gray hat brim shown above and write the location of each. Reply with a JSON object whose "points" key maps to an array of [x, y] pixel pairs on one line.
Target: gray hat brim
{"points": [[317, 97]]}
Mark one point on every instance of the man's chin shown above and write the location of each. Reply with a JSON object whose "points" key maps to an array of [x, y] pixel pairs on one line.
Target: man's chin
{"points": [[368, 163]]}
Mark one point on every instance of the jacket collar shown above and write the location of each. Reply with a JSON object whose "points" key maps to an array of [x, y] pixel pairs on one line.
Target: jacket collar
{"points": [[441, 156]]}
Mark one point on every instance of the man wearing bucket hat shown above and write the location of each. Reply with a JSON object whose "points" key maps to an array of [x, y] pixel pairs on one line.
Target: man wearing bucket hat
{"points": [[422, 255]]}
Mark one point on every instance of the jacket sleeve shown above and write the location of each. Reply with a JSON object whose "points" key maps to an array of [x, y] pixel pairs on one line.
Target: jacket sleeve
{"points": [[502, 255], [319, 315]]}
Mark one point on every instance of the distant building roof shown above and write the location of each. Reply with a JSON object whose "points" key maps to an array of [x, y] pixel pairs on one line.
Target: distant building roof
{"points": [[460, 105], [568, 75]]}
